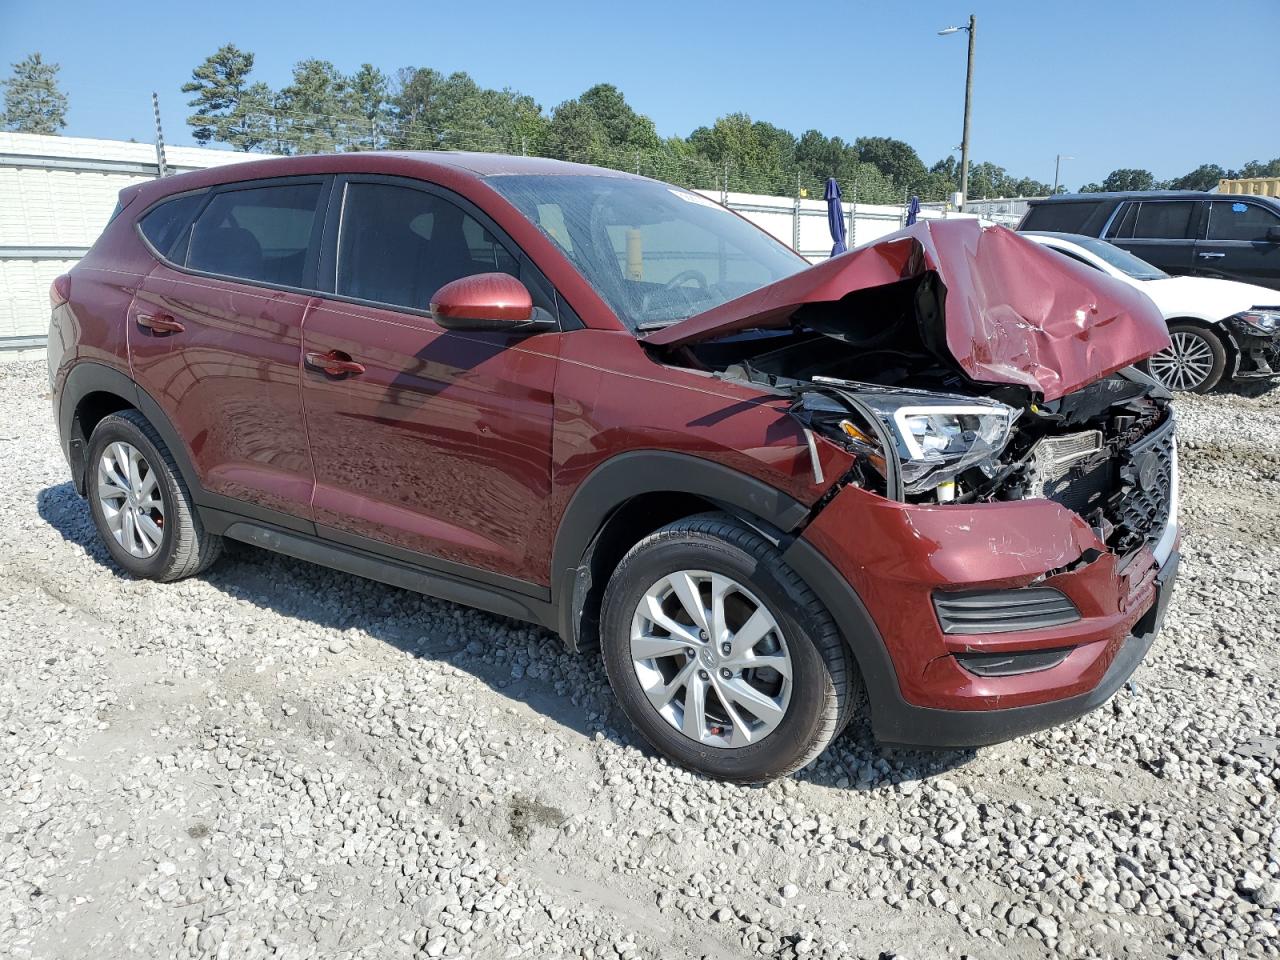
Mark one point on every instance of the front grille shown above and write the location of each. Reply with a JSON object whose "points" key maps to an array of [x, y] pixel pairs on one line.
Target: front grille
{"points": [[1002, 611], [1147, 470]]}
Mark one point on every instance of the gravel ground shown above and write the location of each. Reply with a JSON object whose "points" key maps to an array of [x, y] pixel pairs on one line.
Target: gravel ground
{"points": [[275, 760]]}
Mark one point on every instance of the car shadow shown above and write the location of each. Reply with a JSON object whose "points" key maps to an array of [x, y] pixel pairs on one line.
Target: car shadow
{"points": [[288, 587]]}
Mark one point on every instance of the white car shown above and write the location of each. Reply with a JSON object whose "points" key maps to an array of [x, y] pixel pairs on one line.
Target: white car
{"points": [[1219, 328]]}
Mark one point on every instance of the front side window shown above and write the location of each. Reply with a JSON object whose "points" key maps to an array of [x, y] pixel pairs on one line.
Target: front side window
{"points": [[399, 245], [1237, 220], [656, 254], [262, 233], [1164, 220]]}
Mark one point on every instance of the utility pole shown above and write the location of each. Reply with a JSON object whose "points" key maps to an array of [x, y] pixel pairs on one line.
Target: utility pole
{"points": [[972, 30], [1057, 171]]}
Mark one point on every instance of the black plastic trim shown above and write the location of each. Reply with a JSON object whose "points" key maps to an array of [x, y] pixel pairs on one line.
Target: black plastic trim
{"points": [[638, 472], [968, 612], [434, 583]]}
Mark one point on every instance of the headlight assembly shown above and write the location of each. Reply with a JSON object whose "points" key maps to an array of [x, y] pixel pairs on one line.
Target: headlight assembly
{"points": [[935, 436], [1263, 321], [938, 436]]}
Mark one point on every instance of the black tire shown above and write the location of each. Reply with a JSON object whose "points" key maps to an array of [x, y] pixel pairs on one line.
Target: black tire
{"points": [[824, 689], [1206, 346], [185, 547]]}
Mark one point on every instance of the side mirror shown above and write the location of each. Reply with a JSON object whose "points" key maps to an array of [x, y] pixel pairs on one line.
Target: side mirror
{"points": [[483, 301], [1273, 234]]}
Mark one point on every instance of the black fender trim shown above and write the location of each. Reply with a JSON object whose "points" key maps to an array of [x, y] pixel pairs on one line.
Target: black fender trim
{"points": [[879, 676], [638, 472]]}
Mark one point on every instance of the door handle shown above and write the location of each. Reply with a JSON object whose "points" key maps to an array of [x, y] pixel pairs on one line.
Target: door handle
{"points": [[335, 363], [1211, 256], [160, 323]]}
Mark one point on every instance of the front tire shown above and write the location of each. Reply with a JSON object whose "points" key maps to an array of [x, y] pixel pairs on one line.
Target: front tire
{"points": [[1194, 361], [720, 655], [141, 505]]}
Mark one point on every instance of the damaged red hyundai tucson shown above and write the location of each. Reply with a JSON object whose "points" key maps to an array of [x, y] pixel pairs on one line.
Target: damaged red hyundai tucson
{"points": [[920, 486]]}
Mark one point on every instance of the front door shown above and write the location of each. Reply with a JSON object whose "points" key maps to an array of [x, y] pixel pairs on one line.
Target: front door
{"points": [[439, 443], [215, 337], [1239, 244]]}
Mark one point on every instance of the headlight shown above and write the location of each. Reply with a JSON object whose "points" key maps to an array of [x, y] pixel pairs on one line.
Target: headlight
{"points": [[1263, 321], [939, 436]]}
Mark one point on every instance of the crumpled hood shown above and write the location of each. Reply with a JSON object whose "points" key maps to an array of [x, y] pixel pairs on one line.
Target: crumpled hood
{"points": [[1012, 311]]}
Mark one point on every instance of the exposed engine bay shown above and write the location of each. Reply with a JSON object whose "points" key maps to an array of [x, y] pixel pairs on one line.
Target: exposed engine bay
{"points": [[922, 431]]}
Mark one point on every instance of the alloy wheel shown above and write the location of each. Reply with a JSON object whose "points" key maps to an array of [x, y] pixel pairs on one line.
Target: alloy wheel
{"points": [[1186, 364], [129, 495], [711, 659]]}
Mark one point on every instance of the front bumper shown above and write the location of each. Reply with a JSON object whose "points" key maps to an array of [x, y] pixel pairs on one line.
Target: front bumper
{"points": [[895, 556], [1257, 353]]}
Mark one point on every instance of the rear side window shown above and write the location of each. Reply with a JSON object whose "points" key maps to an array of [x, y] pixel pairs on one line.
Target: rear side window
{"points": [[1122, 225], [1237, 220], [1164, 220], [399, 245], [261, 233], [165, 223], [1059, 217]]}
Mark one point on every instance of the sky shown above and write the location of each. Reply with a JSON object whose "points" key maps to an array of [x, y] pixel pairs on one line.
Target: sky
{"points": [[1163, 85]]}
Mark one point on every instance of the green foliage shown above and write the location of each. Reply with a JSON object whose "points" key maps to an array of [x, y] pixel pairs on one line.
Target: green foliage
{"points": [[1129, 179], [223, 113], [1203, 177], [32, 101]]}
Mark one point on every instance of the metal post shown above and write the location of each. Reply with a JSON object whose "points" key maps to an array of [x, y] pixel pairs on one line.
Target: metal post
{"points": [[162, 168], [524, 147], [1057, 171], [968, 105], [724, 185], [795, 218], [853, 217]]}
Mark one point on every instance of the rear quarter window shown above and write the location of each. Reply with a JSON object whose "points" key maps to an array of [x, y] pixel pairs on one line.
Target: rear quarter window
{"points": [[1061, 217], [165, 223]]}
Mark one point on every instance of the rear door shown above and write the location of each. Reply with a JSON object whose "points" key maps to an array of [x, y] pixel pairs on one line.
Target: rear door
{"points": [[440, 446], [1161, 232], [1236, 244], [215, 337]]}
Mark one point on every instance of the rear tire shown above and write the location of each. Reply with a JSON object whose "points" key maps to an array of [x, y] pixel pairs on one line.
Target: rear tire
{"points": [[1194, 361], [141, 505], [755, 722]]}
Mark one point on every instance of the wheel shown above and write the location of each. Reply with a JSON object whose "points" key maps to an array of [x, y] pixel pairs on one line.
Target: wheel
{"points": [[141, 505], [720, 655], [1195, 360]]}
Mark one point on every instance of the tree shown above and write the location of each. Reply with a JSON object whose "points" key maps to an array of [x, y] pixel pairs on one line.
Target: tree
{"points": [[367, 97], [896, 160], [1256, 169], [762, 157], [1203, 177], [223, 112], [1128, 179], [312, 108], [32, 101]]}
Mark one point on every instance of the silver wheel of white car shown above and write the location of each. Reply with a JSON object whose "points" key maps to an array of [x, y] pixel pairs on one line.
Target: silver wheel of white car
{"points": [[1194, 361], [711, 658]]}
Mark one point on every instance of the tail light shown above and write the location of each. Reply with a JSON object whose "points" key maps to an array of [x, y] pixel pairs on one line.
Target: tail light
{"points": [[60, 290]]}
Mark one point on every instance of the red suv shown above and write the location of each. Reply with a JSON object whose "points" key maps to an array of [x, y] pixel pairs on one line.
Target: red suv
{"points": [[924, 473]]}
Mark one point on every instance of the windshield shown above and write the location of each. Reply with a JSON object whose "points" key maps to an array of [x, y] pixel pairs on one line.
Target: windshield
{"points": [[655, 253], [1122, 260]]}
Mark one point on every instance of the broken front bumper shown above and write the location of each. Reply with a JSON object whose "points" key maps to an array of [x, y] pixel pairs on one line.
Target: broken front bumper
{"points": [[1257, 353], [899, 558]]}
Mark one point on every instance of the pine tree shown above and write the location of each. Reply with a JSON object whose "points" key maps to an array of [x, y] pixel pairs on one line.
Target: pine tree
{"points": [[32, 101], [225, 110]]}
